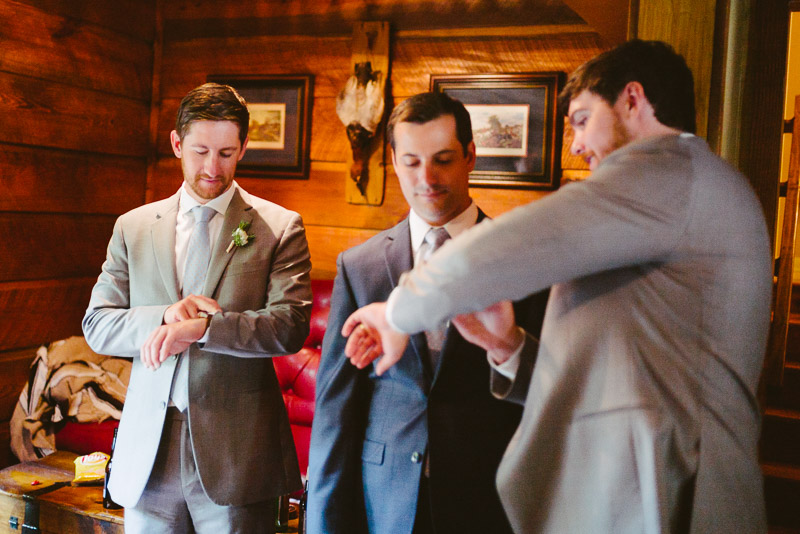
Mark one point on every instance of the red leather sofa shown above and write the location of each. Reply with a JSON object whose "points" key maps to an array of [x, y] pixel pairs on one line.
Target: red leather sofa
{"points": [[297, 375]]}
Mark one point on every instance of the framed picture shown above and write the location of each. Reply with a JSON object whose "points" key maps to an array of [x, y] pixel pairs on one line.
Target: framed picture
{"points": [[515, 125], [280, 124]]}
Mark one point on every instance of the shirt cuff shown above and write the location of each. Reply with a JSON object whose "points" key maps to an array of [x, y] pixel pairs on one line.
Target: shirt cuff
{"points": [[509, 367], [390, 308], [204, 337]]}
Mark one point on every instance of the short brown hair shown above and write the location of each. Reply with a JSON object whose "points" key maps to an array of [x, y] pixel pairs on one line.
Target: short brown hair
{"points": [[667, 80], [213, 102], [426, 107]]}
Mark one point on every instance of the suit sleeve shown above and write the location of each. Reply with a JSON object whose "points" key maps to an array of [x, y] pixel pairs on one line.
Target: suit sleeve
{"points": [[282, 325], [530, 316], [631, 212], [110, 325], [516, 390], [335, 497]]}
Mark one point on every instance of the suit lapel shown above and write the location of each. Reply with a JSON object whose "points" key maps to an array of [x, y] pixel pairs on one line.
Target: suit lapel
{"points": [[399, 259], [238, 210], [163, 235]]}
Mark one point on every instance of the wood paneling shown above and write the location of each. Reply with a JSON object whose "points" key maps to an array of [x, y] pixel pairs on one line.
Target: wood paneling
{"points": [[68, 50], [42, 246], [62, 116], [75, 91], [42, 311], [74, 182], [323, 255], [608, 17], [14, 367], [414, 58], [327, 58], [688, 25], [126, 17], [191, 18]]}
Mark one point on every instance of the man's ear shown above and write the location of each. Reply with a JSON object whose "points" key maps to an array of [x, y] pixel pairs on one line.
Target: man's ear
{"points": [[634, 96], [175, 143], [244, 147], [471, 155]]}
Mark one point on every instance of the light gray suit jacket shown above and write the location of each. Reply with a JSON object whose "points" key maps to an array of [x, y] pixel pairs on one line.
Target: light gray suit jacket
{"points": [[240, 432], [640, 414]]}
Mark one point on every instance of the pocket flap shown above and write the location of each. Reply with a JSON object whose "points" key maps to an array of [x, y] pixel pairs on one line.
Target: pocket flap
{"points": [[373, 452]]}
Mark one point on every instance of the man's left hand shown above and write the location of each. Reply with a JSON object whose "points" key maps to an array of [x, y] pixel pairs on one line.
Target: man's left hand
{"points": [[191, 307]]}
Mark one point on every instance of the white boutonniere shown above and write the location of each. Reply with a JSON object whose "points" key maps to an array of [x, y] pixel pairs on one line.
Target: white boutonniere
{"points": [[240, 236]]}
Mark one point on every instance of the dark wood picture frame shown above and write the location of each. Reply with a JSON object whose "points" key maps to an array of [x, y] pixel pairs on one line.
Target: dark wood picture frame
{"points": [[287, 98], [532, 133]]}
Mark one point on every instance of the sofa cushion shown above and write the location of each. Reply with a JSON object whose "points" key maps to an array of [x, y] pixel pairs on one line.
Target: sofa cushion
{"points": [[86, 438]]}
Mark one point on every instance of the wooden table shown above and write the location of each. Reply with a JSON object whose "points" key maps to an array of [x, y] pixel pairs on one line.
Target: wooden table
{"points": [[39, 494]]}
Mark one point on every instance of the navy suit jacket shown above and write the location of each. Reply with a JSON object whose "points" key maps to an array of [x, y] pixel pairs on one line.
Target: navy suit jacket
{"points": [[371, 433]]}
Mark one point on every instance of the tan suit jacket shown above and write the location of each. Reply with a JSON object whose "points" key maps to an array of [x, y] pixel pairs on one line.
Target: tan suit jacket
{"points": [[640, 413], [240, 432]]}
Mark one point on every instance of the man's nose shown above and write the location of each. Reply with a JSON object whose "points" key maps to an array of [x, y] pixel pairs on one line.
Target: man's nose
{"points": [[213, 165], [427, 173], [577, 147]]}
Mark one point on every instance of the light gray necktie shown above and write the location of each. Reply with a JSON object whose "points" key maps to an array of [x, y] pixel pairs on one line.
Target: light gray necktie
{"points": [[433, 240], [194, 276]]}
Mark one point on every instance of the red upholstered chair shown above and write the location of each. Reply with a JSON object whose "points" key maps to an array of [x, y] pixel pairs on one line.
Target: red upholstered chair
{"points": [[297, 373]]}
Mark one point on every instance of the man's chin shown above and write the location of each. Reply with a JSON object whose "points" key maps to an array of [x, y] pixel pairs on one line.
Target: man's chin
{"points": [[207, 191]]}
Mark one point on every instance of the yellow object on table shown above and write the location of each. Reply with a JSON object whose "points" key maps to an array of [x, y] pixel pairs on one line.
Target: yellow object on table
{"points": [[90, 468]]}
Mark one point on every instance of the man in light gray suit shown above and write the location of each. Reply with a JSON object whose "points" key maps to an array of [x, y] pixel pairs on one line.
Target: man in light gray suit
{"points": [[640, 413], [201, 289]]}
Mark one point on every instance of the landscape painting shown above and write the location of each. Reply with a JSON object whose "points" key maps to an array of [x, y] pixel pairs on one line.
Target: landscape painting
{"points": [[500, 130], [267, 125]]}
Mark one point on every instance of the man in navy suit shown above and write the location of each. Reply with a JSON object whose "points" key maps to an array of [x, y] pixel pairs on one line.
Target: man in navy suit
{"points": [[417, 449]]}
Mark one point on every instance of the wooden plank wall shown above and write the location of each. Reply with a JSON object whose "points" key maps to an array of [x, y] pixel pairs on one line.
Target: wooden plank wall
{"points": [[75, 82], [252, 37]]}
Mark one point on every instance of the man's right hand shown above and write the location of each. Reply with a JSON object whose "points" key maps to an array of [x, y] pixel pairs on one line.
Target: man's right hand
{"points": [[190, 308]]}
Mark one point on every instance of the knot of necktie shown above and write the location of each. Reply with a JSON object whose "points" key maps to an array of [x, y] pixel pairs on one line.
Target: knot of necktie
{"points": [[202, 214], [434, 239]]}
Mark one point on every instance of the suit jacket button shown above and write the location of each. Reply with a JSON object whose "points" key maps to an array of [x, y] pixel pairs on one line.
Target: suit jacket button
{"points": [[416, 457]]}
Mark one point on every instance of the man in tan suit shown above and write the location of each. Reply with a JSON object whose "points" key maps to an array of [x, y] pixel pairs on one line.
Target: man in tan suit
{"points": [[640, 413], [204, 443]]}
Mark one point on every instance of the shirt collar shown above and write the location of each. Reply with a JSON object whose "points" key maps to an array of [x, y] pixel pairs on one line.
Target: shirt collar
{"points": [[219, 204], [460, 223]]}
